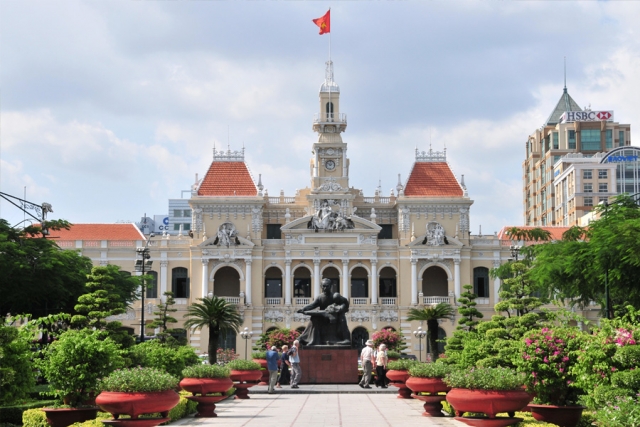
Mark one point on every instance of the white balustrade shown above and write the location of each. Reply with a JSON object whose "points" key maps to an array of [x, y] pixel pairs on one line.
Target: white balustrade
{"points": [[388, 301], [273, 301], [482, 301], [359, 301], [302, 301], [232, 300], [434, 300]]}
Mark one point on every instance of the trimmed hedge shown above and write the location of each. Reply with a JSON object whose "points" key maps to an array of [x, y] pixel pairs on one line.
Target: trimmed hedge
{"points": [[13, 414], [34, 418]]}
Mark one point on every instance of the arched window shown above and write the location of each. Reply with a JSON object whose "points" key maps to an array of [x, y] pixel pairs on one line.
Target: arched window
{"points": [[226, 282], [481, 282], [329, 110], [273, 283], [435, 282], [388, 288], [332, 274], [180, 282], [152, 285], [302, 283], [359, 283], [359, 336]]}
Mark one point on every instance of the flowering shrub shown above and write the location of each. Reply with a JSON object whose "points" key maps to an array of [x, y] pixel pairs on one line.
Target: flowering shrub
{"points": [[280, 337], [137, 380], [394, 340], [226, 355], [206, 371], [547, 358], [624, 412], [496, 379]]}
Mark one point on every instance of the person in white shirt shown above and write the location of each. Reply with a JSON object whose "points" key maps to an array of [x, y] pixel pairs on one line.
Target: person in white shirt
{"points": [[366, 358]]}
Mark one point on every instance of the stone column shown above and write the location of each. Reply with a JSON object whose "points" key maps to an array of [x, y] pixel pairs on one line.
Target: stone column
{"points": [[496, 285], [247, 281], [205, 277], [456, 278], [346, 287], [374, 281], [287, 282], [163, 279], [414, 281], [344, 161], [316, 278]]}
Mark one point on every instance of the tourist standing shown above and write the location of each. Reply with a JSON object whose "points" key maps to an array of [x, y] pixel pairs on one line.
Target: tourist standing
{"points": [[381, 366], [294, 358], [366, 359], [284, 367], [272, 366]]}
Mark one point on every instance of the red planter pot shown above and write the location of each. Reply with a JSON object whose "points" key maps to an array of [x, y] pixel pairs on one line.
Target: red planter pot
{"points": [[427, 385], [205, 386], [563, 416], [206, 405], [136, 404], [398, 379], [63, 417], [243, 381], [264, 380], [487, 402]]}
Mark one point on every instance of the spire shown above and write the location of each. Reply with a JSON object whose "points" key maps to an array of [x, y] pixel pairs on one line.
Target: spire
{"points": [[565, 103], [329, 84]]}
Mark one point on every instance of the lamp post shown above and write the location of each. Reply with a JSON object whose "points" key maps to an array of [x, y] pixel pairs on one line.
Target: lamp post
{"points": [[143, 263], [515, 250], [246, 336], [25, 205], [420, 334]]}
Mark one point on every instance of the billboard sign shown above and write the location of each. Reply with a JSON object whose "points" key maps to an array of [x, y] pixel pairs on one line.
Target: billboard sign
{"points": [[161, 223], [586, 116]]}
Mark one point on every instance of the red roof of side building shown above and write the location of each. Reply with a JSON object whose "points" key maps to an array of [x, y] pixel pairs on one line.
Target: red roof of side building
{"points": [[432, 179], [228, 179], [556, 232], [98, 232]]}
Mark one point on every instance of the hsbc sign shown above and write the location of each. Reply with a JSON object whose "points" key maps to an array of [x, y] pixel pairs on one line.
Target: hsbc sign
{"points": [[586, 116]]}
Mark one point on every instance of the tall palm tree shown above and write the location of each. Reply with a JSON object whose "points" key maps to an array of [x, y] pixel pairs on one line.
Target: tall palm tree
{"points": [[216, 314], [431, 315]]}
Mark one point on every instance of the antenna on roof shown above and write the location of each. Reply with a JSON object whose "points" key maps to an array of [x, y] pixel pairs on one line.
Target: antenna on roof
{"points": [[214, 150], [565, 73], [228, 139]]}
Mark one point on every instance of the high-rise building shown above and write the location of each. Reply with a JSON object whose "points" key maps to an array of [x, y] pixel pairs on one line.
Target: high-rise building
{"points": [[568, 130]]}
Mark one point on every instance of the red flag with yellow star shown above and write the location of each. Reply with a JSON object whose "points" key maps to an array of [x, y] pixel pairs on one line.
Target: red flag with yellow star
{"points": [[324, 23]]}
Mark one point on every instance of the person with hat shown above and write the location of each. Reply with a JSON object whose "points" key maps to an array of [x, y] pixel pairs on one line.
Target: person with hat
{"points": [[272, 366], [366, 359]]}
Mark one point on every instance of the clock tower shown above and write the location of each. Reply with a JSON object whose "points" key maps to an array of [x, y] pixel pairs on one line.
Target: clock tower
{"points": [[329, 166]]}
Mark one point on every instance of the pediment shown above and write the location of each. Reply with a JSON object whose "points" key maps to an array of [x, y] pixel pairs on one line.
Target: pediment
{"points": [[240, 242], [359, 225], [422, 242]]}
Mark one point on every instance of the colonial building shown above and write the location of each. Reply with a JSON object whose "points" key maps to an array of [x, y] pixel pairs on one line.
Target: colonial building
{"points": [[569, 130], [269, 254]]}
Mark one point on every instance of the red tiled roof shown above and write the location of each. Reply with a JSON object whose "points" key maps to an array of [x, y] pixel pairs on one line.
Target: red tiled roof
{"points": [[98, 232], [556, 232], [227, 179], [432, 179]]}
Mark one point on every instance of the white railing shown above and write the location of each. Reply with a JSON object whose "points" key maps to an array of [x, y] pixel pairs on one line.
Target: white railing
{"points": [[280, 200], [232, 300], [434, 300], [273, 301], [482, 301], [302, 301], [383, 200], [359, 301], [121, 243], [388, 301], [330, 118], [181, 301]]}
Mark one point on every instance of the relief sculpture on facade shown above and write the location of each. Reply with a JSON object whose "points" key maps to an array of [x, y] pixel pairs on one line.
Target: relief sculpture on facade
{"points": [[227, 235], [326, 219], [435, 234]]}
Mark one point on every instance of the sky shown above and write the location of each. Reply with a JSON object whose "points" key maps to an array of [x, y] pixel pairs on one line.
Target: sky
{"points": [[110, 108]]}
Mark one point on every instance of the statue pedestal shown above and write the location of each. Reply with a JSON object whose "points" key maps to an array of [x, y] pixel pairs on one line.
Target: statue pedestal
{"points": [[329, 365]]}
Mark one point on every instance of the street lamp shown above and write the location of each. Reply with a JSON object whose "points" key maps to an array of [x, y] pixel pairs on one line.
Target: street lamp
{"points": [[143, 263], [246, 336], [420, 334], [515, 250], [25, 205]]}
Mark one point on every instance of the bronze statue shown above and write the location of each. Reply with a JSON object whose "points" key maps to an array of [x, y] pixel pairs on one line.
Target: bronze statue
{"points": [[328, 323]]}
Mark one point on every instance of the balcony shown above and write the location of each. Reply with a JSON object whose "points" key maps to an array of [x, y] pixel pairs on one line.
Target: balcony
{"points": [[232, 300], [273, 301], [302, 301], [359, 301], [388, 301], [435, 300]]}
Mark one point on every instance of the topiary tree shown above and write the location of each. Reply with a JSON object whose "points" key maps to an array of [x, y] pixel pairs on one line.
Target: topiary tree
{"points": [[468, 310], [163, 317]]}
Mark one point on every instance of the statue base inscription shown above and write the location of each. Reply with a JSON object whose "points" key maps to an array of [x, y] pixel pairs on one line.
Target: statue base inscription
{"points": [[329, 365]]}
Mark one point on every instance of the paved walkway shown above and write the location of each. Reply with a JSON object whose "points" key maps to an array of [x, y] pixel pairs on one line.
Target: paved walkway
{"points": [[318, 410]]}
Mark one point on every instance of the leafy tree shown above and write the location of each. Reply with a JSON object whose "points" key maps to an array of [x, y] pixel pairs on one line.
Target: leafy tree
{"points": [[37, 277], [216, 314], [531, 234], [468, 310], [577, 271], [431, 315], [16, 366], [166, 357], [163, 317]]}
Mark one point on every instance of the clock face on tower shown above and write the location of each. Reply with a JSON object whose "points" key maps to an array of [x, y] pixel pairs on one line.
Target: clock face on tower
{"points": [[330, 165]]}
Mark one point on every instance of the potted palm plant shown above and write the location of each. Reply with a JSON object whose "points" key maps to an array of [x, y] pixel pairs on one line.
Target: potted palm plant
{"points": [[72, 365], [487, 390], [218, 316], [204, 380], [138, 391], [426, 382], [245, 374], [398, 374], [431, 315]]}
